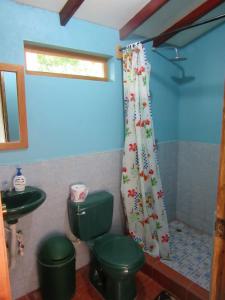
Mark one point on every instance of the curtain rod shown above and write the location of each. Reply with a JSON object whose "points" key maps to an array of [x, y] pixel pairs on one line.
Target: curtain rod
{"points": [[180, 29]]}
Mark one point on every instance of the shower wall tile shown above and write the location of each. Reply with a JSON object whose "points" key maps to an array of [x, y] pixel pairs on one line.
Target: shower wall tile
{"points": [[167, 156], [189, 176], [98, 171], [197, 184]]}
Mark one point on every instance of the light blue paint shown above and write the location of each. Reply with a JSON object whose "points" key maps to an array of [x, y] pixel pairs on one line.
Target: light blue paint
{"points": [[201, 101], [72, 117], [11, 105], [65, 116], [191, 111], [164, 96], [68, 116]]}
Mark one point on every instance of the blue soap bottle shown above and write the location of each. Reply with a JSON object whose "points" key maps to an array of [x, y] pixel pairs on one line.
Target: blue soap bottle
{"points": [[19, 181]]}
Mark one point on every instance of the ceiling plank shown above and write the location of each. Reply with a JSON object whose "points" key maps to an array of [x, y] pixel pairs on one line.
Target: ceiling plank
{"points": [[68, 10], [193, 16], [145, 13]]}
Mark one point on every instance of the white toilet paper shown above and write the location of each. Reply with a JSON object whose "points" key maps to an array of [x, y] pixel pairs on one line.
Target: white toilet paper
{"points": [[78, 192]]}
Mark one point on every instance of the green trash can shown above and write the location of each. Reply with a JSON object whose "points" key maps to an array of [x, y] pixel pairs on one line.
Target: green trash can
{"points": [[56, 268]]}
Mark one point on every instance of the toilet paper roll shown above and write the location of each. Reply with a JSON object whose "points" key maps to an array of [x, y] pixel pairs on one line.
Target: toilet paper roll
{"points": [[78, 192]]}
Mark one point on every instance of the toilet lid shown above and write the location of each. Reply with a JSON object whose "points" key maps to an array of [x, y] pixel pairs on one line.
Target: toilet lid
{"points": [[117, 251]]}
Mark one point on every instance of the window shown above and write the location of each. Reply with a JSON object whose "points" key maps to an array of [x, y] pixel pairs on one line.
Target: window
{"points": [[59, 63]]}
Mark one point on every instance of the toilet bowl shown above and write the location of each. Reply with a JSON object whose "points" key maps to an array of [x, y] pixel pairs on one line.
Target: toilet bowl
{"points": [[115, 259]]}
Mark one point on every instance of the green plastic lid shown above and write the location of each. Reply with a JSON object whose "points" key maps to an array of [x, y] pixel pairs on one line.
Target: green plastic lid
{"points": [[56, 250], [118, 252]]}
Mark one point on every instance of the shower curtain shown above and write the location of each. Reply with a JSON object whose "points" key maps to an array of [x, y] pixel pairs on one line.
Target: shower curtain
{"points": [[141, 184]]}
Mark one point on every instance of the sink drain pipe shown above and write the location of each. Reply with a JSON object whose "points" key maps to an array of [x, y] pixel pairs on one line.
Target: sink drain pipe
{"points": [[12, 244]]}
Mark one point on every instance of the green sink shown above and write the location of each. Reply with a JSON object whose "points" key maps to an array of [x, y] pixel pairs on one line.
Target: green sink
{"points": [[19, 204]]}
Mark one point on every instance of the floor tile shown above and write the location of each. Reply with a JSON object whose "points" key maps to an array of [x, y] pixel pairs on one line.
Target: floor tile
{"points": [[191, 253]]}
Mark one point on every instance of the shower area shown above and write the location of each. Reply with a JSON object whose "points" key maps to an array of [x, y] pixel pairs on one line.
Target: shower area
{"points": [[187, 88]]}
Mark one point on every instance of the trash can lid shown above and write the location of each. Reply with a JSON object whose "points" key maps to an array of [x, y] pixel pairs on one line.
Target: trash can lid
{"points": [[56, 249]]}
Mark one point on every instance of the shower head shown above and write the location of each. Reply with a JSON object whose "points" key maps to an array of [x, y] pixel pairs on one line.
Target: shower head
{"points": [[177, 57], [183, 78]]}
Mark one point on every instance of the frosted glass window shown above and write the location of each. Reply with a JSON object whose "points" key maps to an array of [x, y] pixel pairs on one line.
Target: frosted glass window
{"points": [[51, 62]]}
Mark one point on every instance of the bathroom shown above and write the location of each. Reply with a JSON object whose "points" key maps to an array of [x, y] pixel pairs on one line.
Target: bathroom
{"points": [[76, 128]]}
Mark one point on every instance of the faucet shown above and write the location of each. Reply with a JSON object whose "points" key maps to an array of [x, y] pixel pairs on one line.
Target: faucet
{"points": [[6, 186]]}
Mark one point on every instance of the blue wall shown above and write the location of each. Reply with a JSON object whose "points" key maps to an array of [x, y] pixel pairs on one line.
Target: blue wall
{"points": [[69, 116], [65, 116], [164, 95], [201, 101], [72, 117]]}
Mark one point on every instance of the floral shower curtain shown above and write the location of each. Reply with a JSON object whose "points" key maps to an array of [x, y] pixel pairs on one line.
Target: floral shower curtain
{"points": [[141, 184]]}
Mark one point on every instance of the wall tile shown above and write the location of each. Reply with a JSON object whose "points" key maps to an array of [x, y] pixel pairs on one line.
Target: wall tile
{"points": [[98, 171], [197, 184], [167, 155], [189, 177]]}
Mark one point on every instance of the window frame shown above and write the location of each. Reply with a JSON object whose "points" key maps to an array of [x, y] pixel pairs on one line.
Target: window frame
{"points": [[70, 54]]}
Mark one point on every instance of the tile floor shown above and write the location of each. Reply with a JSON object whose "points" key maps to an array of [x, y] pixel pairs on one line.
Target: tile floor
{"points": [[191, 253], [147, 288]]}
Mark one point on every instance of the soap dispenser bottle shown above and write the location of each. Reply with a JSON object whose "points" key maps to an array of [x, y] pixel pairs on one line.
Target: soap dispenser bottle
{"points": [[19, 181]]}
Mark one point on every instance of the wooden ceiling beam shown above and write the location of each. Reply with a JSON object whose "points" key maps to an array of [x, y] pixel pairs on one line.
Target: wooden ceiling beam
{"points": [[145, 13], [190, 18], [68, 10]]}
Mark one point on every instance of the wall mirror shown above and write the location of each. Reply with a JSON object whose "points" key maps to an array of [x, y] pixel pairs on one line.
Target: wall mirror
{"points": [[13, 120]]}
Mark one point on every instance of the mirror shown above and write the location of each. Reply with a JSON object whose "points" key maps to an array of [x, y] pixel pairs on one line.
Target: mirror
{"points": [[13, 121]]}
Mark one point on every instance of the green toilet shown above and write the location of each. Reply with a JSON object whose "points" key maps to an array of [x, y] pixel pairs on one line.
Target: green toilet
{"points": [[115, 258]]}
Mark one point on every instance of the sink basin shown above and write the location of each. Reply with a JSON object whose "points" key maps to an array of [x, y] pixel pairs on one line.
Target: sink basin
{"points": [[19, 204]]}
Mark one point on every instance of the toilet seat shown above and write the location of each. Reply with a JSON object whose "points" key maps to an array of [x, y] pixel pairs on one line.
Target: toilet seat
{"points": [[118, 252]]}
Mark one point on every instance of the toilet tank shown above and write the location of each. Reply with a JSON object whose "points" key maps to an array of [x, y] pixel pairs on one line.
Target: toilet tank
{"points": [[93, 217]]}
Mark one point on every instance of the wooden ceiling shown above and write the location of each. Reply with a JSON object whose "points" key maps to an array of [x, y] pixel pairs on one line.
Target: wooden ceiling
{"points": [[145, 14], [188, 19], [69, 10], [151, 19]]}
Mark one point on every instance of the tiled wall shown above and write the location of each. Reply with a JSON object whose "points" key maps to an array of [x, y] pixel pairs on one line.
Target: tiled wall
{"points": [[189, 172], [167, 156], [189, 177], [199, 129], [197, 176], [98, 171]]}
